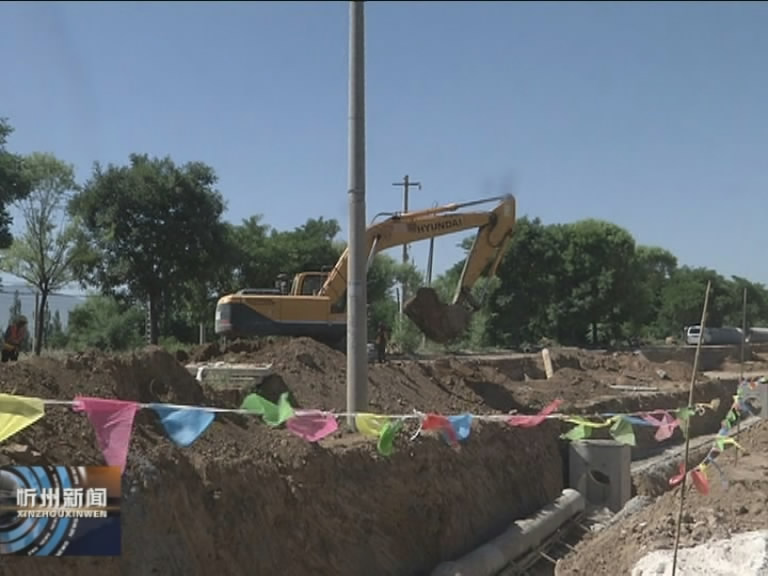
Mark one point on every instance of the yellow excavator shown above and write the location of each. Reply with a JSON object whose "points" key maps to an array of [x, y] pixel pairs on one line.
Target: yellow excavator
{"points": [[314, 304]]}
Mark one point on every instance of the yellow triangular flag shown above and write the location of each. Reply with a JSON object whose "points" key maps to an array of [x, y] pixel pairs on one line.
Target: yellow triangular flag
{"points": [[371, 424], [18, 412], [588, 423]]}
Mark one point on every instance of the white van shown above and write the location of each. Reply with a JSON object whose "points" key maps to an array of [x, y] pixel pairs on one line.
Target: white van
{"points": [[725, 336], [692, 334]]}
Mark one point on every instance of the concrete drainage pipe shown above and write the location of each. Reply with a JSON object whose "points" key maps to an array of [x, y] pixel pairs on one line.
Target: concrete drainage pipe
{"points": [[519, 539]]}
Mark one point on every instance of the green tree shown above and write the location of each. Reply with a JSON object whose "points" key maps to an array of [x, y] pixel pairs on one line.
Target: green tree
{"points": [[405, 334], [15, 310], [757, 303], [54, 333], [596, 286], [311, 246], [683, 299], [382, 306], [154, 231], [45, 254], [14, 183], [256, 264], [265, 253], [653, 269], [104, 323], [525, 308], [56, 337]]}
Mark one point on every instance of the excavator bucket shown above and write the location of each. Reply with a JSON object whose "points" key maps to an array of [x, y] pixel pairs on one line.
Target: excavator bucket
{"points": [[438, 321]]}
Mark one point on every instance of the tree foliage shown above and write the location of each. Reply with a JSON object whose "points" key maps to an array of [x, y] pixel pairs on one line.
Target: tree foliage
{"points": [[150, 227], [150, 236], [104, 323], [587, 283], [45, 254], [14, 184], [583, 284]]}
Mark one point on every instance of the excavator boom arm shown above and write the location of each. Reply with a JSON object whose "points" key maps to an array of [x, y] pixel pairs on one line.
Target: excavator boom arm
{"points": [[494, 229], [487, 249]]}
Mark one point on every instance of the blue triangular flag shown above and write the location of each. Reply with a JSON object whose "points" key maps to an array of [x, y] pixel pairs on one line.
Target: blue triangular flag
{"points": [[183, 425], [634, 420], [462, 425]]}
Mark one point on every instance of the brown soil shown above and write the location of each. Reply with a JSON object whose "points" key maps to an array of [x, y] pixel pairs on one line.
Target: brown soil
{"points": [[316, 377], [248, 500], [739, 507]]}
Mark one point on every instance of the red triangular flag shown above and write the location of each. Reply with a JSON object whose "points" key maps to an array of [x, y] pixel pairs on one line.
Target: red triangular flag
{"points": [[700, 480], [441, 423], [678, 478]]}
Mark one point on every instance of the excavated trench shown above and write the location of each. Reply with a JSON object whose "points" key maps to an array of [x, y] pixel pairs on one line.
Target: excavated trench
{"points": [[540, 536], [344, 511], [247, 500]]}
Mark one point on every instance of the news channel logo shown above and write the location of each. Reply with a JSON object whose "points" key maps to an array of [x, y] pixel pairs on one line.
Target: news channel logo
{"points": [[60, 511]]}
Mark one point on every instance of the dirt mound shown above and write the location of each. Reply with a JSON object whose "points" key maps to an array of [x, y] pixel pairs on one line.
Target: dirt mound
{"points": [[630, 365], [314, 374], [232, 350], [65, 438], [150, 375], [245, 499], [738, 507]]}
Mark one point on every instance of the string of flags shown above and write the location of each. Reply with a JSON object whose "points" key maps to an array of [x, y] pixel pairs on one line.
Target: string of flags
{"points": [[112, 421], [740, 409]]}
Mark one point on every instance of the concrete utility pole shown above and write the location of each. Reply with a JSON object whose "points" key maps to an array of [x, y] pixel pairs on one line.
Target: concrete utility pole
{"points": [[357, 299], [406, 184]]}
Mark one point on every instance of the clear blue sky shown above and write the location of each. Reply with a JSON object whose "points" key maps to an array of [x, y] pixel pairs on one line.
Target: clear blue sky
{"points": [[650, 115]]}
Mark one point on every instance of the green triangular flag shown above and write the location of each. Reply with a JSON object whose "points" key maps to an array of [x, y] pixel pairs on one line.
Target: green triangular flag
{"points": [[273, 414], [720, 442], [684, 415], [387, 437], [622, 431], [578, 432]]}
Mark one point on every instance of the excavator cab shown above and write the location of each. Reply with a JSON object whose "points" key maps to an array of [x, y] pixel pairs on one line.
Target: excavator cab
{"points": [[308, 283]]}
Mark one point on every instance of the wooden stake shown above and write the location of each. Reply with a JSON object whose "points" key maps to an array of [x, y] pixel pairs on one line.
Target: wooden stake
{"points": [[686, 429], [547, 359]]}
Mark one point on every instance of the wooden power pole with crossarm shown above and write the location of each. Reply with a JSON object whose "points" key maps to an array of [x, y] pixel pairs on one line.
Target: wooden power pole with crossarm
{"points": [[406, 184]]}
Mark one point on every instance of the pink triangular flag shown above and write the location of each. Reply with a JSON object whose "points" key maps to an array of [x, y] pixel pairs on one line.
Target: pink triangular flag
{"points": [[666, 426], [531, 421], [312, 426], [112, 420]]}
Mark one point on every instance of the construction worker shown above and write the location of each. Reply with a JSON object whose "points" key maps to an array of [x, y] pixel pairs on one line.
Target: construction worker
{"points": [[14, 337], [381, 343]]}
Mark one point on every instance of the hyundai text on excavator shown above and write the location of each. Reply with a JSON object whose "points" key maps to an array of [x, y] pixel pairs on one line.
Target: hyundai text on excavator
{"points": [[315, 304]]}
